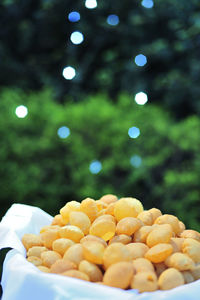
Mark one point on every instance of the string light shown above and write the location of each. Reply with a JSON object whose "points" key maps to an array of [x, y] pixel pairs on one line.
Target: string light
{"points": [[74, 16], [140, 60], [77, 37], [136, 161], [21, 111], [91, 4], [95, 167], [63, 132], [147, 3], [113, 20], [69, 73], [133, 132], [141, 98]]}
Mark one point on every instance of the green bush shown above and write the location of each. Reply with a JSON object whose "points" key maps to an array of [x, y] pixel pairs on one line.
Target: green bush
{"points": [[39, 168]]}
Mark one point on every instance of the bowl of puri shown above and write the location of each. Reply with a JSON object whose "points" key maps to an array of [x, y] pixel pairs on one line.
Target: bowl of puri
{"points": [[115, 242]]}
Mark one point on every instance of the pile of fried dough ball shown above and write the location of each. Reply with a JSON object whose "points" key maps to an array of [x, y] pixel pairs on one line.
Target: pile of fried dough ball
{"points": [[117, 243]]}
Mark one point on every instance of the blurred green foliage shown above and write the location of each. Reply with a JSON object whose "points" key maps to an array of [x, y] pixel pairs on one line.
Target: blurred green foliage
{"points": [[39, 168], [35, 47]]}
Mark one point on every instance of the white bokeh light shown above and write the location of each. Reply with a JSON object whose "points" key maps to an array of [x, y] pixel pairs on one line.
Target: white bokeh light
{"points": [[140, 60], [141, 98], [95, 167], [21, 111], [133, 132], [69, 73], [147, 3], [77, 37], [63, 132], [136, 161], [91, 4]]}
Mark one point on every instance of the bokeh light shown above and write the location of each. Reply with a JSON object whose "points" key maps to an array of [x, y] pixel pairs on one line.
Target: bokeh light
{"points": [[136, 161], [113, 20], [21, 111], [77, 37], [134, 132], [141, 98], [69, 73], [140, 60], [74, 16], [63, 132], [91, 4], [147, 3], [95, 167]]}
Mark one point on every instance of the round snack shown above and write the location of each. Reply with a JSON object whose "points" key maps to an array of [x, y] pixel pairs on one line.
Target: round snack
{"points": [[127, 207], [119, 275], [29, 240], [182, 226], [61, 245], [110, 209], [44, 269], [81, 220], [74, 254], [160, 234], [49, 236], [196, 272], [155, 212], [71, 232], [89, 207], [105, 218], [144, 282], [137, 250], [114, 253], [179, 261], [36, 251], [67, 209], [142, 265], [62, 265], [170, 279], [169, 219], [141, 234], [191, 247], [108, 199], [93, 238], [190, 234], [76, 274], [146, 217], [104, 229], [49, 258], [58, 220], [128, 225], [159, 253], [93, 252], [35, 260], [121, 238], [92, 270]]}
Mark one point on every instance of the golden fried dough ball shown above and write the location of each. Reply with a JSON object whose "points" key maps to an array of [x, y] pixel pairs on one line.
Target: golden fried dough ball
{"points": [[144, 282], [92, 270], [170, 279], [119, 275]]}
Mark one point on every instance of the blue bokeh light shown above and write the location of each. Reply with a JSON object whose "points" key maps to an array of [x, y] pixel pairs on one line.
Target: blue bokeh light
{"points": [[136, 161], [63, 132], [113, 20], [77, 37], [95, 167], [69, 73], [74, 16], [147, 3], [140, 60], [133, 132]]}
